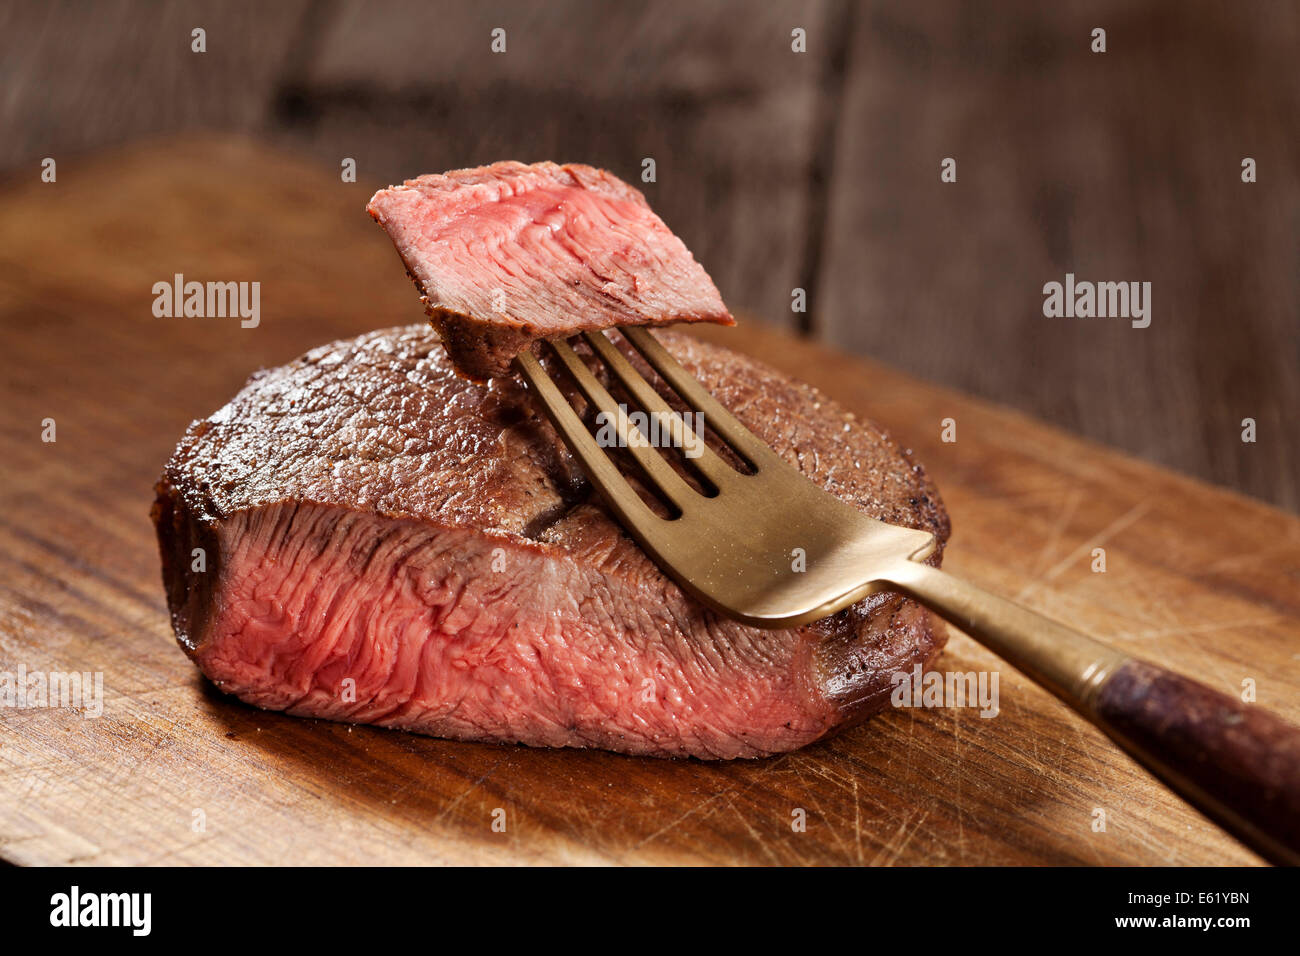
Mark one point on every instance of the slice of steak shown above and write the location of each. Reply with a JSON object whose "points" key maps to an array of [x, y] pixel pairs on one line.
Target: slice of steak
{"points": [[386, 542], [510, 253]]}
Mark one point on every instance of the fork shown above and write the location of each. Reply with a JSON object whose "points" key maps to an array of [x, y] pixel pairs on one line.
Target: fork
{"points": [[728, 539]]}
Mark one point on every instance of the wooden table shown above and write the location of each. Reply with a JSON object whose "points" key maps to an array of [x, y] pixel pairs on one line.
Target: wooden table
{"points": [[816, 170], [1198, 578]]}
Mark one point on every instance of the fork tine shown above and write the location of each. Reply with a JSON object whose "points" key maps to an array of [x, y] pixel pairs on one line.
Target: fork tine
{"points": [[697, 396], [604, 474], [669, 483], [707, 462]]}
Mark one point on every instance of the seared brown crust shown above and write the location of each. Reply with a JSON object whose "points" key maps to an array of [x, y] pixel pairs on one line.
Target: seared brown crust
{"points": [[468, 341], [376, 424], [183, 540], [855, 673]]}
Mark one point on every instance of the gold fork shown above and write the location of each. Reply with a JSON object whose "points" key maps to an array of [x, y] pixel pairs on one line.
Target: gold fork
{"points": [[736, 545]]}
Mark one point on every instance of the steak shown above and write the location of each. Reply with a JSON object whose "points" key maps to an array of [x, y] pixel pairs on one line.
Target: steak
{"points": [[508, 253], [386, 542]]}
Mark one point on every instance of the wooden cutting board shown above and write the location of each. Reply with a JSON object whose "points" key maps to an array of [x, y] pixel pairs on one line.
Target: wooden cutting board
{"points": [[1197, 578]]}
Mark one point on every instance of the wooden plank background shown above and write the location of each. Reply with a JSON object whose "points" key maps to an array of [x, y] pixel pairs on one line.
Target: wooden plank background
{"points": [[817, 170], [1200, 579]]}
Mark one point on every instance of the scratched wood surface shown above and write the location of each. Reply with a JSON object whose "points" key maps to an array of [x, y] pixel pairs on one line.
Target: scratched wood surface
{"points": [[1197, 578], [1117, 166]]}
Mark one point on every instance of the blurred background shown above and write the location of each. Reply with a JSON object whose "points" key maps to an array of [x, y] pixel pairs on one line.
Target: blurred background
{"points": [[816, 170]]}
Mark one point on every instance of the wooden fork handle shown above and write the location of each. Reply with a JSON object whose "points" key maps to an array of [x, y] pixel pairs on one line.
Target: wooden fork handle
{"points": [[1236, 763]]}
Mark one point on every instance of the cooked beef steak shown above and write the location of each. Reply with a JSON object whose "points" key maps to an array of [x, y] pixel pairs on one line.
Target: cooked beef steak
{"points": [[389, 543], [508, 253]]}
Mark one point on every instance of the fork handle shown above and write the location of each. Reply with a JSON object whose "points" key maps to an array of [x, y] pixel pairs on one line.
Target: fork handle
{"points": [[1238, 764]]}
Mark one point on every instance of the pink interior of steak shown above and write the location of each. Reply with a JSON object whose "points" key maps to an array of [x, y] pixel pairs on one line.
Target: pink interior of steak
{"points": [[508, 253], [437, 632]]}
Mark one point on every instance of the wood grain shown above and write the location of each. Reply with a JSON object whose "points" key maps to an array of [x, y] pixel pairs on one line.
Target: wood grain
{"points": [[1115, 166], [79, 76], [815, 170], [1198, 579]]}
